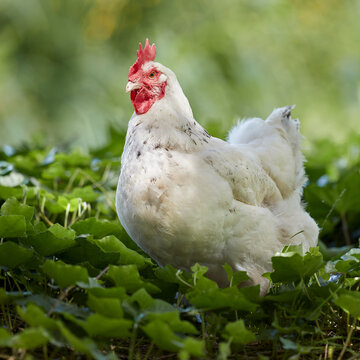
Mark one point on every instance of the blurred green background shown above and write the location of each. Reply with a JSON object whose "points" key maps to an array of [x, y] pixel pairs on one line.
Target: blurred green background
{"points": [[64, 63]]}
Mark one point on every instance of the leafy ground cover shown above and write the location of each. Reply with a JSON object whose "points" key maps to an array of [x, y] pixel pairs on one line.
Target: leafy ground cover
{"points": [[74, 286]]}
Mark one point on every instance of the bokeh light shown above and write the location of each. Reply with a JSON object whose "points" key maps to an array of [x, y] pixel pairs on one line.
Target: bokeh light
{"points": [[64, 63]]}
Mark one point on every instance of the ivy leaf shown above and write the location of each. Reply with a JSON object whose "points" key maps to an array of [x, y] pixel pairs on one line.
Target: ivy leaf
{"points": [[192, 347], [109, 307], [211, 298], [85, 193], [65, 203], [349, 301], [53, 171], [349, 263], [97, 228], [5, 338], [47, 302], [13, 207], [12, 226], [63, 274], [88, 249], [173, 320], [224, 351], [4, 298], [162, 335], [144, 300], [101, 228], [30, 338], [290, 265], [127, 256], [83, 345], [128, 276], [157, 309], [12, 255], [237, 278], [7, 192], [34, 316], [75, 158], [238, 332], [53, 240], [167, 274], [99, 325], [111, 292]]}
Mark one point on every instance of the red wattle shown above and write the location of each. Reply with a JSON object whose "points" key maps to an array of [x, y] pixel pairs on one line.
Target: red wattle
{"points": [[142, 99]]}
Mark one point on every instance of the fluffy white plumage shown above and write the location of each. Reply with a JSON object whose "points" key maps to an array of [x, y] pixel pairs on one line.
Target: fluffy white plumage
{"points": [[186, 197]]}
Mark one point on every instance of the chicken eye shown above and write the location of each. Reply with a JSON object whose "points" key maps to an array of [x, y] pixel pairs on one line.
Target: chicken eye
{"points": [[152, 75]]}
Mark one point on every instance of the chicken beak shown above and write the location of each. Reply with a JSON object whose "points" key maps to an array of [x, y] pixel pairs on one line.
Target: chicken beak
{"points": [[132, 86]]}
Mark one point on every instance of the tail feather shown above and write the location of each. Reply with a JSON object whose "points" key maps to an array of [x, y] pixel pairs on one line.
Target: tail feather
{"points": [[290, 128], [277, 142]]}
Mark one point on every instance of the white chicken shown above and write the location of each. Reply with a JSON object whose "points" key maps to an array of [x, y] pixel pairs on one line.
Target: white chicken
{"points": [[186, 197]]}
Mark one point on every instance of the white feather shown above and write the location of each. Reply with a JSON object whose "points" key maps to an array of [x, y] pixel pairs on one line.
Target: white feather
{"points": [[186, 197]]}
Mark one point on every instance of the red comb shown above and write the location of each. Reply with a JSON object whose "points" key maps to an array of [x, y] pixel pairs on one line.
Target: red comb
{"points": [[143, 56]]}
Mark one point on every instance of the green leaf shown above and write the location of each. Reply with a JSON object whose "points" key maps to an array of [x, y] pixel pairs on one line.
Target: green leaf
{"points": [[34, 316], [157, 309], [30, 338], [167, 274], [5, 338], [65, 203], [63, 274], [144, 300], [53, 171], [349, 301], [83, 345], [349, 263], [113, 292], [198, 271], [127, 256], [238, 332], [98, 325], [13, 207], [8, 192], [4, 298], [12, 226], [101, 228], [162, 336], [237, 278], [172, 319], [211, 298], [313, 261], [75, 158], [128, 276], [55, 239], [290, 265], [87, 249], [12, 255], [85, 193], [47, 302], [97, 228], [109, 307], [205, 294], [192, 347], [224, 351]]}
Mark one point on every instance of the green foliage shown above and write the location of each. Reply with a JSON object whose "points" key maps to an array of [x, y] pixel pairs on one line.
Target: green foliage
{"points": [[238, 333], [74, 284], [64, 64]]}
